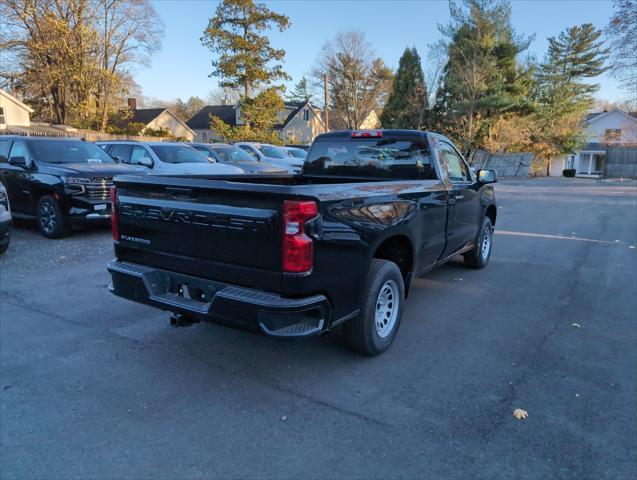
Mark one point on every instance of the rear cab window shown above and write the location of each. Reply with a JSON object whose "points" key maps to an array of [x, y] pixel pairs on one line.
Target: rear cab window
{"points": [[4, 150], [389, 158]]}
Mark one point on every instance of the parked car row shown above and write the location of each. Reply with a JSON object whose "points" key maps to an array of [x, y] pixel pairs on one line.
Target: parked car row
{"points": [[61, 182]]}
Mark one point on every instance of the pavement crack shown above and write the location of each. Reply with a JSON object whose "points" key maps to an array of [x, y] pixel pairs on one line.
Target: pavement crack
{"points": [[254, 378]]}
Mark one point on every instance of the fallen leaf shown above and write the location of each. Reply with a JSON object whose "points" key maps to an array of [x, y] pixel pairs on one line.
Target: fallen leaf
{"points": [[577, 325], [520, 414]]}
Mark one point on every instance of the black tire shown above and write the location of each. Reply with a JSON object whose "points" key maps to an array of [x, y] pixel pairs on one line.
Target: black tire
{"points": [[4, 247], [479, 256], [362, 333], [51, 220]]}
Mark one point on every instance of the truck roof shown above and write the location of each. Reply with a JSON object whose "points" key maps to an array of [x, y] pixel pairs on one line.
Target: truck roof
{"points": [[385, 133]]}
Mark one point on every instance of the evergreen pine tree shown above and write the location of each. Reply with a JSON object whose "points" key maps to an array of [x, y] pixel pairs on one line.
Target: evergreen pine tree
{"points": [[482, 80], [301, 92], [407, 101], [562, 90]]}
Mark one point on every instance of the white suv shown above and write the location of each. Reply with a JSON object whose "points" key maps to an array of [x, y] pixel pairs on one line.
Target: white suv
{"points": [[5, 220], [166, 158], [264, 152]]}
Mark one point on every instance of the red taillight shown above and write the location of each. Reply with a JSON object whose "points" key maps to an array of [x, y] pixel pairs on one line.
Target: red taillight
{"points": [[114, 214], [367, 134], [298, 251]]}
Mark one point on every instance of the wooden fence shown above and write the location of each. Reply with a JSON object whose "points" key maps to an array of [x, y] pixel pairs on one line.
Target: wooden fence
{"points": [[89, 135], [621, 162]]}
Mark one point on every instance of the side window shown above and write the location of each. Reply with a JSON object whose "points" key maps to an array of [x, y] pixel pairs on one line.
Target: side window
{"points": [[19, 149], [3, 119], [121, 153], [306, 115], [4, 150], [456, 167], [249, 151], [137, 154]]}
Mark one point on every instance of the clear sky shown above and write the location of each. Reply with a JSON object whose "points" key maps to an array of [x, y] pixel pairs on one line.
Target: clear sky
{"points": [[182, 66]]}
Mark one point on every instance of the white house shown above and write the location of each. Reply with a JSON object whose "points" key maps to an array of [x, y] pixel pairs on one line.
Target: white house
{"points": [[13, 113], [603, 129], [157, 118], [299, 122]]}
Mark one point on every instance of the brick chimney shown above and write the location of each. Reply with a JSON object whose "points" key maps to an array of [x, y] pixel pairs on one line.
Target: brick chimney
{"points": [[132, 104]]}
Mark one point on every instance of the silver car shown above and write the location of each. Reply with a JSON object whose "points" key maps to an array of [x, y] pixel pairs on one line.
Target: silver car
{"points": [[264, 152], [166, 158]]}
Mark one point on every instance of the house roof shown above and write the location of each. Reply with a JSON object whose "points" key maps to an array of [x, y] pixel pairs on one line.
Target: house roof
{"points": [[201, 119], [594, 147], [292, 108], [594, 116], [13, 99], [147, 115]]}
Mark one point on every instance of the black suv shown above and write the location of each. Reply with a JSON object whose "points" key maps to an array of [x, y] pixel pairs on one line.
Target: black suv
{"points": [[58, 181]]}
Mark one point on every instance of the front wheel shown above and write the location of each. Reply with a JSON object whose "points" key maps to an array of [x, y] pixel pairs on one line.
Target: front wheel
{"points": [[51, 220], [479, 256], [374, 329]]}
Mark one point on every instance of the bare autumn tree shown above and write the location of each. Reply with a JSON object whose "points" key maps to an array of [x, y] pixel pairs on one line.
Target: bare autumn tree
{"points": [[130, 32], [622, 35], [358, 81], [72, 58]]}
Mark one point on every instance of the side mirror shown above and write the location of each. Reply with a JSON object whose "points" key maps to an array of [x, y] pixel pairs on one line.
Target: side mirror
{"points": [[212, 159], [486, 176], [19, 162], [146, 162]]}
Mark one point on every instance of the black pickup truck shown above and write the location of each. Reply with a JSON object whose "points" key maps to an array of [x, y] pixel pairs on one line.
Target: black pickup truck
{"points": [[292, 256]]}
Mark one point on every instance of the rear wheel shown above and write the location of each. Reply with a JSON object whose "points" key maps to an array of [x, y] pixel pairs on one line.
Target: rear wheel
{"points": [[374, 329], [479, 256], [51, 220]]}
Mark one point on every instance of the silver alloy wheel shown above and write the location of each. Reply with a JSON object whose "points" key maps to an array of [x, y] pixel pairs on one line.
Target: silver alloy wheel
{"points": [[485, 248], [47, 217], [387, 305]]}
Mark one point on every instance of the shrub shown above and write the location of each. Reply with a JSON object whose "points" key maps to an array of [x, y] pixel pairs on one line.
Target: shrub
{"points": [[568, 172]]}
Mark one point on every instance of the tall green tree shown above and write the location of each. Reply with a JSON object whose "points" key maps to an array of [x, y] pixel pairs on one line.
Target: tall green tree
{"points": [[482, 79], [407, 101], [244, 57], [563, 90], [245, 60], [302, 91]]}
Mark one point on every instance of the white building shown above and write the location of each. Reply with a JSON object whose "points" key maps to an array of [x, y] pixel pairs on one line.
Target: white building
{"points": [[13, 113], [603, 130], [156, 118]]}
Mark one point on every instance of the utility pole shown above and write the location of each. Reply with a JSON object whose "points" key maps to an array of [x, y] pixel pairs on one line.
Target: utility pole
{"points": [[327, 107]]}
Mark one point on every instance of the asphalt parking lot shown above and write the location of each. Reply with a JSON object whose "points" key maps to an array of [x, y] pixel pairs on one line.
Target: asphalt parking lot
{"points": [[93, 386]]}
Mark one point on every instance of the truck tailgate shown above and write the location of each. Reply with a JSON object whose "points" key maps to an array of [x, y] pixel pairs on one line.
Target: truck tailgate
{"points": [[209, 228]]}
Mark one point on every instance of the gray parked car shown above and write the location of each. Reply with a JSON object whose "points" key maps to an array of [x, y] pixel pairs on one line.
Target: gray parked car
{"points": [[166, 158], [231, 155], [264, 152], [296, 152], [5, 220]]}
